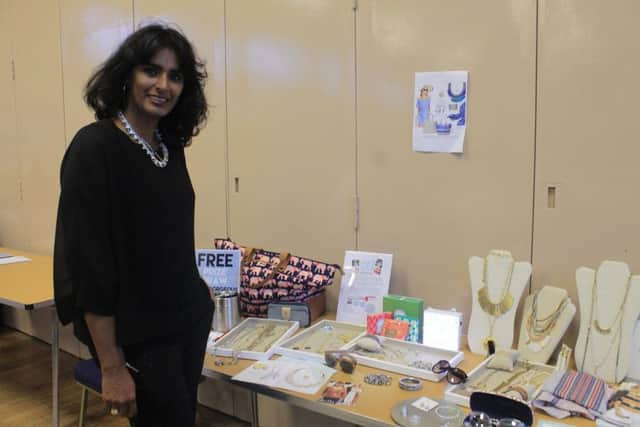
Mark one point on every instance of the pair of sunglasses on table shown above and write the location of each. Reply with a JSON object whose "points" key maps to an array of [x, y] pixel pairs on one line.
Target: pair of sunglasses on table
{"points": [[480, 419], [454, 375]]}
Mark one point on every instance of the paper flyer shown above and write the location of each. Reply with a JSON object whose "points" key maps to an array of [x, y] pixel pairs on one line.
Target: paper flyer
{"points": [[440, 111], [364, 282]]}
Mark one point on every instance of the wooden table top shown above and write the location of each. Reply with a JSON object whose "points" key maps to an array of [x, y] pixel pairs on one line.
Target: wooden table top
{"points": [[27, 285], [374, 403]]}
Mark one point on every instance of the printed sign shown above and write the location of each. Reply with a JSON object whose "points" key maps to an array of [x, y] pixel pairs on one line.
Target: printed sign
{"points": [[219, 268]]}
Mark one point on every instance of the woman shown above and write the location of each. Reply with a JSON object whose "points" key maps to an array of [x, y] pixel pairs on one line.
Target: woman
{"points": [[423, 104], [124, 263]]}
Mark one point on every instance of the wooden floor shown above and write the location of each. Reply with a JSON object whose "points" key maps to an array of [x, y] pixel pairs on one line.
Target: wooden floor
{"points": [[25, 389]]}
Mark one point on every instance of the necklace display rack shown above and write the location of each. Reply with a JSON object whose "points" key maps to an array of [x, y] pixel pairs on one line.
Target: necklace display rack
{"points": [[523, 382], [254, 338], [323, 336], [609, 306], [546, 318], [405, 358], [497, 282]]}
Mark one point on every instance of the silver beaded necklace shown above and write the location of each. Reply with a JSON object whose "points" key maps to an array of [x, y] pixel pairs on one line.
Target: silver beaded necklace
{"points": [[146, 146]]}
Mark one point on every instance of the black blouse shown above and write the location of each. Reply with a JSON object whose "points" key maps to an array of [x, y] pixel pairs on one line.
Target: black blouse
{"points": [[124, 242]]}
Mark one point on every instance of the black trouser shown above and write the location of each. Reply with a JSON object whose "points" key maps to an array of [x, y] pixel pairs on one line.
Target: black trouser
{"points": [[168, 373]]}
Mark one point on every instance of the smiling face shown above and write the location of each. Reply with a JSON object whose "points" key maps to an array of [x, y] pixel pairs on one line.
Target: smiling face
{"points": [[154, 88]]}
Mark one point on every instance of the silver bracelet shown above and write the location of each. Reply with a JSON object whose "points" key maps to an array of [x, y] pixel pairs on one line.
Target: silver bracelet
{"points": [[410, 384]]}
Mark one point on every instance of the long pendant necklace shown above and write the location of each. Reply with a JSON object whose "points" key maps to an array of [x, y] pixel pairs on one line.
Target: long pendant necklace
{"points": [[160, 162], [594, 325], [495, 309], [539, 330]]}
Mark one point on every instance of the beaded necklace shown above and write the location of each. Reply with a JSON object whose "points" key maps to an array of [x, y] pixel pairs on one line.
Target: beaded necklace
{"points": [[160, 162], [539, 330]]}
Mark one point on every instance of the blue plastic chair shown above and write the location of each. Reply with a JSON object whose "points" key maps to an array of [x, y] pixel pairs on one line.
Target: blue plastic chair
{"points": [[88, 376]]}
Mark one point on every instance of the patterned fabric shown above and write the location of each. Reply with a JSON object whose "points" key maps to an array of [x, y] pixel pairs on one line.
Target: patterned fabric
{"points": [[268, 276], [581, 388]]}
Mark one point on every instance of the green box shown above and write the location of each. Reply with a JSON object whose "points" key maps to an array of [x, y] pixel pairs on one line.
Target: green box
{"points": [[407, 307]]}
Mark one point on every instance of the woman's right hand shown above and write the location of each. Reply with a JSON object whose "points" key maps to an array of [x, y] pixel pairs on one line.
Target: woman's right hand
{"points": [[119, 391]]}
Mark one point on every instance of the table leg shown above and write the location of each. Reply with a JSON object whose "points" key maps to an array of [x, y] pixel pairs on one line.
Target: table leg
{"points": [[254, 410], [55, 408]]}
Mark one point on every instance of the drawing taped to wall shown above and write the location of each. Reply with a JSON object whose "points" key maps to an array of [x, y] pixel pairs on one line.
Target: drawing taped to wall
{"points": [[440, 111]]}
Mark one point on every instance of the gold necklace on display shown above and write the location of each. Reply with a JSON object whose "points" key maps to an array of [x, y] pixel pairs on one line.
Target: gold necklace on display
{"points": [[494, 309], [594, 324], [539, 330]]}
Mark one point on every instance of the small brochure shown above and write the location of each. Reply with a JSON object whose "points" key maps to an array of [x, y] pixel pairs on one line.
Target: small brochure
{"points": [[341, 393], [364, 283], [219, 268]]}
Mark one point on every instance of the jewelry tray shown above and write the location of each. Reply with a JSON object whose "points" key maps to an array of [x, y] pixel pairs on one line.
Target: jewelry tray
{"points": [[460, 393], [407, 352], [241, 340], [324, 335]]}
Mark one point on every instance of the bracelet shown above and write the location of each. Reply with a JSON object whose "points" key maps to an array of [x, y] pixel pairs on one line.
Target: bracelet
{"points": [[410, 384], [524, 395], [377, 379]]}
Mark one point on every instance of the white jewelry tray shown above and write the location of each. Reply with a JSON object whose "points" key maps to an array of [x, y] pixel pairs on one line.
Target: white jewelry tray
{"points": [[394, 349], [459, 394], [225, 346], [324, 335]]}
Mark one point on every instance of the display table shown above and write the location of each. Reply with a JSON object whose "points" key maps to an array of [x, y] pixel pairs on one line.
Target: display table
{"points": [[374, 404], [29, 286]]}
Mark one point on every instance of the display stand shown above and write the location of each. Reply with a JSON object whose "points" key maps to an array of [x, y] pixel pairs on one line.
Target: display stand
{"points": [[497, 282], [547, 316], [609, 306]]}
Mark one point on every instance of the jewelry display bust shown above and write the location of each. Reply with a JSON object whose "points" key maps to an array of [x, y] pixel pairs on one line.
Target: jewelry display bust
{"points": [[547, 316], [497, 282], [609, 306]]}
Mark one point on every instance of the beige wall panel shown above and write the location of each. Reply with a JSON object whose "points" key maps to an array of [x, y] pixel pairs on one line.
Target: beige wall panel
{"points": [[40, 118], [11, 229], [587, 116], [291, 126], [203, 23], [90, 32], [433, 211]]}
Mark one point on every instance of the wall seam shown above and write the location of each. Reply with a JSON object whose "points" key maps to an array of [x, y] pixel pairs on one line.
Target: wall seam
{"points": [[535, 134], [355, 116], [226, 123], [64, 104]]}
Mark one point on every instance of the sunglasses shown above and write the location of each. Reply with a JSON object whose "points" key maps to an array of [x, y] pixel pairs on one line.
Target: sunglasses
{"points": [[454, 375], [480, 419], [347, 362]]}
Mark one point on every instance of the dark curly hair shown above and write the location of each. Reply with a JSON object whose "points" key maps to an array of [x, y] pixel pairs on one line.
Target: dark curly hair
{"points": [[105, 91]]}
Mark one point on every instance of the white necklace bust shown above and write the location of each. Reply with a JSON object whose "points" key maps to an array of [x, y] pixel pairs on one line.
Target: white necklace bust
{"points": [[609, 306], [498, 280], [547, 316]]}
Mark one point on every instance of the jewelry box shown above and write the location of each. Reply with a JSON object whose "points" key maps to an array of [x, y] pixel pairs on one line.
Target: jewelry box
{"points": [[324, 335], [524, 381], [404, 357], [254, 338]]}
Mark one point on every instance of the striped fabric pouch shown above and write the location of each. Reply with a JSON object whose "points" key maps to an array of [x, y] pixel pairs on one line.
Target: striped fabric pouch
{"points": [[584, 389]]}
